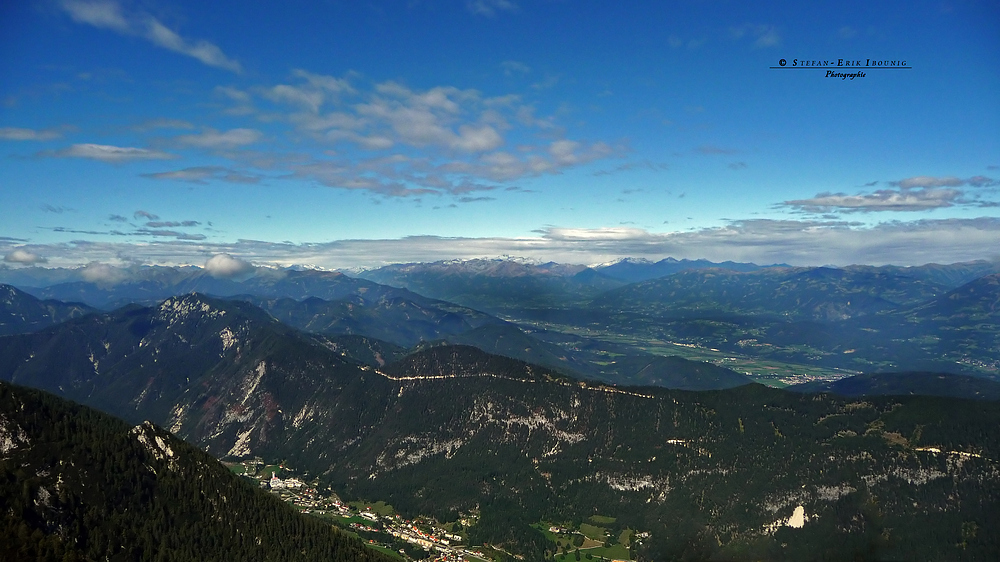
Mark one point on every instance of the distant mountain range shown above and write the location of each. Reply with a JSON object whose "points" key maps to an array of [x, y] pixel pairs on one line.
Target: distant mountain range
{"points": [[495, 285], [149, 285], [633, 270], [724, 474], [857, 318]]}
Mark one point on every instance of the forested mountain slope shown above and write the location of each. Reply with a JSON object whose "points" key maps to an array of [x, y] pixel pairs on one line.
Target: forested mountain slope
{"points": [[77, 484], [450, 430]]}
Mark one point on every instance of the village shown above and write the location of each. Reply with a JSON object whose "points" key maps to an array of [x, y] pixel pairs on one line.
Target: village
{"points": [[421, 538], [376, 523]]}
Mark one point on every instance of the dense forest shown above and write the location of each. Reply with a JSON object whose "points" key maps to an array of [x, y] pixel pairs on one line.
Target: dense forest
{"points": [[76, 484]]}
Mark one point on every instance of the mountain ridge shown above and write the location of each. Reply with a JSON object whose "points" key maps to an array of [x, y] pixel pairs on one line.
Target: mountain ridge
{"points": [[455, 433], [21, 312]]}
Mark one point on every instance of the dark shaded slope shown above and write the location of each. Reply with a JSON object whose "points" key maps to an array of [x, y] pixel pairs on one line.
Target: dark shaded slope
{"points": [[457, 361], [77, 484], [365, 350], [951, 275], [973, 303], [21, 313], [220, 373], [397, 320], [903, 384], [795, 293], [956, 331], [671, 372], [510, 341]]}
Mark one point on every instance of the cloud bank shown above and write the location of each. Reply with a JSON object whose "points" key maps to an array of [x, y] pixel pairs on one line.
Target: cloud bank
{"points": [[920, 193], [761, 241], [23, 257], [387, 138]]}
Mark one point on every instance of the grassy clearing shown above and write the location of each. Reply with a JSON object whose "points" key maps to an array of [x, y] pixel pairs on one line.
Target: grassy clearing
{"points": [[591, 543], [385, 550], [617, 552], [270, 470], [379, 508], [593, 531], [602, 519]]}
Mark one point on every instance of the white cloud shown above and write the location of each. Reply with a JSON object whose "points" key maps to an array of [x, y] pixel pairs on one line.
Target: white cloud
{"points": [[323, 82], [211, 138], [102, 273], [171, 224], [23, 257], [312, 94], [919, 193], [595, 234], [107, 14], [110, 154], [505, 166], [202, 50], [393, 140], [103, 14], [18, 134], [201, 175], [242, 100], [226, 266], [308, 99], [881, 200], [158, 233], [234, 94], [946, 181], [476, 138], [512, 67]]}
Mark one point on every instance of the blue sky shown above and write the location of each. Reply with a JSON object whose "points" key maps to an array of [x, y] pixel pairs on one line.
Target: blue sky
{"points": [[347, 134]]}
